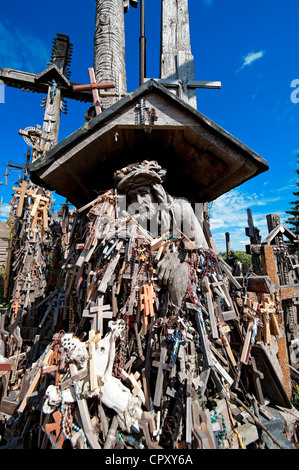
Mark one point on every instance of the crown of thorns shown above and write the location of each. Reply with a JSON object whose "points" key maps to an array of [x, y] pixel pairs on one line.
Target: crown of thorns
{"points": [[139, 174]]}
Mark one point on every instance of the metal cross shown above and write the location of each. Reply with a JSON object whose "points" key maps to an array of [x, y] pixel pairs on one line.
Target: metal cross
{"points": [[177, 340]]}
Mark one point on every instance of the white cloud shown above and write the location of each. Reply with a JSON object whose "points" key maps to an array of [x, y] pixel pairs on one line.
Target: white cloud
{"points": [[21, 50], [251, 58], [229, 214], [4, 213]]}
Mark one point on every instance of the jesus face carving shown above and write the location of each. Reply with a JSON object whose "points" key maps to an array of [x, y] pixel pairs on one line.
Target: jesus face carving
{"points": [[141, 200]]}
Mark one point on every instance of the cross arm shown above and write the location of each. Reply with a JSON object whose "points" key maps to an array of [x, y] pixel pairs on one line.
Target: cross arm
{"points": [[27, 81], [168, 83], [94, 86]]}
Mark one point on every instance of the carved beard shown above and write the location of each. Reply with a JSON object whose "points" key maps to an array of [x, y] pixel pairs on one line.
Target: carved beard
{"points": [[147, 208]]}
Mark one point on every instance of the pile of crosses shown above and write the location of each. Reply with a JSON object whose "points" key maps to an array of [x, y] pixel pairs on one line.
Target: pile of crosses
{"points": [[113, 363]]}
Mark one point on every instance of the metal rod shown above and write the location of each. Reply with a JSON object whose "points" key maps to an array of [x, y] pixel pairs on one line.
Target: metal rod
{"points": [[142, 42]]}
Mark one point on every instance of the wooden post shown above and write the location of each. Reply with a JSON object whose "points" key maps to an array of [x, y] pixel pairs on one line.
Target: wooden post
{"points": [[176, 61], [269, 268], [109, 47], [160, 378]]}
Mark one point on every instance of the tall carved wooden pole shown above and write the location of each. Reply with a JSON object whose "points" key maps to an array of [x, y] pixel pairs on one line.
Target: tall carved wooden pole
{"points": [[109, 47]]}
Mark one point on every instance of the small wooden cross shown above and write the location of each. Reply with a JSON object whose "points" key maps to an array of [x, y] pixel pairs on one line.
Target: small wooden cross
{"points": [[94, 87], [96, 313], [56, 429], [162, 366], [23, 191], [136, 387], [269, 315], [224, 329], [147, 297], [109, 271], [16, 307], [247, 344]]}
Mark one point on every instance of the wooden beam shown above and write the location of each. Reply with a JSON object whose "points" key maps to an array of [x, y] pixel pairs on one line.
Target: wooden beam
{"points": [[192, 84], [93, 86], [21, 198]]}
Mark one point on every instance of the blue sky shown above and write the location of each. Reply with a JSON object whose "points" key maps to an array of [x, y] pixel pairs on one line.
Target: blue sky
{"points": [[251, 47]]}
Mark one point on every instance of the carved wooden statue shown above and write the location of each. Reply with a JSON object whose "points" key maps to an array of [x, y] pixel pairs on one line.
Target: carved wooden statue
{"points": [[162, 214]]}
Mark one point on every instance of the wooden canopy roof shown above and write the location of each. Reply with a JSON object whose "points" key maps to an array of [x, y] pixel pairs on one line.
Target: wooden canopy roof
{"points": [[203, 161]]}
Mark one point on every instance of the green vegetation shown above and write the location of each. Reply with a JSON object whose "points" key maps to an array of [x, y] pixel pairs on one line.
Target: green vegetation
{"points": [[240, 256], [295, 396]]}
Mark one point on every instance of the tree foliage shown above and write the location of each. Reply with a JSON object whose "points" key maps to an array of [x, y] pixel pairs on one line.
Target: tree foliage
{"points": [[240, 256]]}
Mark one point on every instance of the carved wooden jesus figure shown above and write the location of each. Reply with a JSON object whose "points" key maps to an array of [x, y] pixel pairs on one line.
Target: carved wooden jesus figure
{"points": [[142, 185]]}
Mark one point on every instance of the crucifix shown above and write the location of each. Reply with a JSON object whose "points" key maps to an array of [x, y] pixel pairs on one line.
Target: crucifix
{"points": [[177, 339], [176, 59]]}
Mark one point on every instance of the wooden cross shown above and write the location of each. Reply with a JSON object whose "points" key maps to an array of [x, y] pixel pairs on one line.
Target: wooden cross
{"points": [[208, 295], [94, 87], [41, 83], [204, 341], [55, 430], [176, 61], [84, 414], [247, 344], [22, 191], [109, 271], [162, 366], [16, 307], [224, 329], [98, 313], [147, 297], [134, 384], [268, 307], [197, 431], [257, 376]]}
